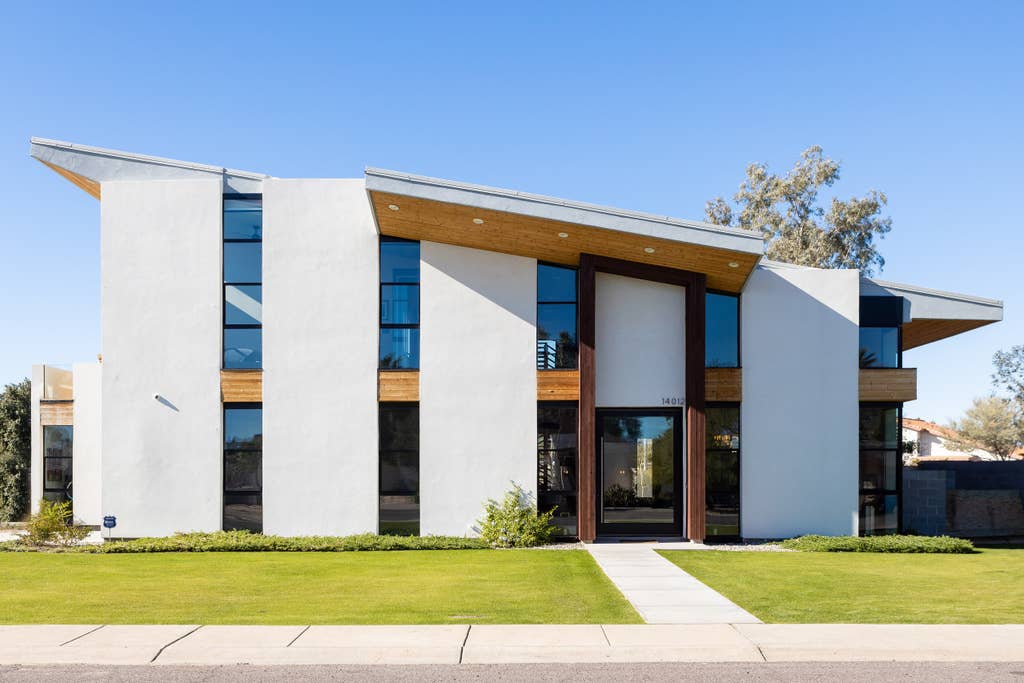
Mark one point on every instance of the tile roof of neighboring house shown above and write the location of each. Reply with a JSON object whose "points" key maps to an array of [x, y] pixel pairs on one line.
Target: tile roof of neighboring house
{"points": [[916, 425]]}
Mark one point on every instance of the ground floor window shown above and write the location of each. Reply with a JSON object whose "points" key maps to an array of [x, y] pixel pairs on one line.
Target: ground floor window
{"points": [[243, 467], [399, 512], [722, 471], [556, 464], [57, 442], [881, 468]]}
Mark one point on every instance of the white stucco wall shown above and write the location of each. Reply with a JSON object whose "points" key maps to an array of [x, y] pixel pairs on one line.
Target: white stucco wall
{"points": [[478, 382], [161, 335], [640, 342], [86, 447], [36, 474], [799, 417], [320, 308]]}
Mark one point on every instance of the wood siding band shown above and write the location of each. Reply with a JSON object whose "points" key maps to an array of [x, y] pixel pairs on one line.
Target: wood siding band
{"points": [[56, 413], [398, 386], [888, 384], [696, 285], [723, 384], [241, 386], [558, 385]]}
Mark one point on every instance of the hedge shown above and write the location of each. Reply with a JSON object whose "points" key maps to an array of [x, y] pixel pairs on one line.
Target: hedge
{"points": [[879, 544], [243, 541]]}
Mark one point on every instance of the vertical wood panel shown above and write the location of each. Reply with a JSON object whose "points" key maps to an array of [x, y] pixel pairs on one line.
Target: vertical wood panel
{"points": [[695, 386], [56, 413], [587, 433]]}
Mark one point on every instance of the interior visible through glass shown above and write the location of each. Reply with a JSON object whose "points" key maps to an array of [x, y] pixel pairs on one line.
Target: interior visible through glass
{"points": [[637, 469]]}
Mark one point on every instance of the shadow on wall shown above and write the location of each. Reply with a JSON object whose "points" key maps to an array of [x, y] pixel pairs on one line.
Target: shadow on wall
{"points": [[487, 274]]}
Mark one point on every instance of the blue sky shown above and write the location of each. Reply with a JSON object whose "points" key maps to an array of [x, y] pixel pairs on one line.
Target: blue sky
{"points": [[647, 106]]}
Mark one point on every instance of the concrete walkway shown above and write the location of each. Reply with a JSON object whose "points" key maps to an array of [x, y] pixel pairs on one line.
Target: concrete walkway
{"points": [[294, 645], [662, 592]]}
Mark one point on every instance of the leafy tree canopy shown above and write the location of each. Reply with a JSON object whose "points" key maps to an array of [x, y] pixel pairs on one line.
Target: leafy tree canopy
{"points": [[993, 424], [796, 228]]}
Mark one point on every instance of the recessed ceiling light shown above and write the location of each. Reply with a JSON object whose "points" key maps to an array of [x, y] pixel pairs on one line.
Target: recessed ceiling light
{"points": [[563, 235], [733, 264], [478, 221], [393, 207], [649, 250]]}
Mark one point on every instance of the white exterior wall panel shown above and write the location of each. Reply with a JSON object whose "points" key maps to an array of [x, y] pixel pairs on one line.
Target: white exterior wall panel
{"points": [[478, 382], [161, 324], [86, 463], [320, 308], [799, 417]]}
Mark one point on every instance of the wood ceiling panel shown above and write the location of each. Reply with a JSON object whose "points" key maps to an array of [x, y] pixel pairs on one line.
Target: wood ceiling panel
{"points": [[426, 220], [927, 330]]}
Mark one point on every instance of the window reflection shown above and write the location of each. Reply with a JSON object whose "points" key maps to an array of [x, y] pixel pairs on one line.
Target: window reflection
{"points": [[399, 457], [556, 464], [722, 331], [399, 304], [557, 346], [243, 467], [879, 347]]}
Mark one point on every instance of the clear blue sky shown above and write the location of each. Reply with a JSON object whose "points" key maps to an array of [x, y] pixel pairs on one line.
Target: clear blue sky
{"points": [[646, 106]]}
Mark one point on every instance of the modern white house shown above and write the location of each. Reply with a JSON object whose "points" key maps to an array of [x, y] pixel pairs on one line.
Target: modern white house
{"points": [[385, 353]]}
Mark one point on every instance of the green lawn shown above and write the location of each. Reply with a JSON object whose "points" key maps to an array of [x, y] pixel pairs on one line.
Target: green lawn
{"points": [[814, 588], [406, 587]]}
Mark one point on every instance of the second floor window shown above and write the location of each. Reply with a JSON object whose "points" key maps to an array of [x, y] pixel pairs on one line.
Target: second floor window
{"points": [[880, 347], [243, 282], [722, 331], [556, 317], [399, 304]]}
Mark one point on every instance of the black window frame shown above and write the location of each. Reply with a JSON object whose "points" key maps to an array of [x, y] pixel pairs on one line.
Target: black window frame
{"points": [[541, 451], [381, 493], [884, 312], [897, 449], [739, 472], [62, 494], [381, 325], [899, 347], [225, 326], [739, 327], [576, 318], [225, 450]]}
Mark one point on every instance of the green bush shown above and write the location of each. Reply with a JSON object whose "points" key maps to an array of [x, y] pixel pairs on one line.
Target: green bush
{"points": [[244, 541], [53, 525], [15, 449], [514, 522], [879, 544]]}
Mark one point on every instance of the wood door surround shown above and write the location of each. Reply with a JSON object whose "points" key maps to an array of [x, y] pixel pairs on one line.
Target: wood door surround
{"points": [[696, 285]]}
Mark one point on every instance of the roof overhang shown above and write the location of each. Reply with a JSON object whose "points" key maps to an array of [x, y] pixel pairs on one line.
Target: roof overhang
{"points": [[556, 230], [90, 167], [930, 315]]}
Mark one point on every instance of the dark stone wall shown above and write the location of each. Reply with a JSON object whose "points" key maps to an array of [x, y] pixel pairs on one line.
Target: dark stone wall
{"points": [[969, 499]]}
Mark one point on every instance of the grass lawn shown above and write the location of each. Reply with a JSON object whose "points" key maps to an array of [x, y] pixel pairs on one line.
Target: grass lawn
{"points": [[818, 588], [405, 587]]}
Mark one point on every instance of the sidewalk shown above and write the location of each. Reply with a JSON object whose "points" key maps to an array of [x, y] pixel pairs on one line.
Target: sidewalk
{"points": [[662, 592], [271, 645]]}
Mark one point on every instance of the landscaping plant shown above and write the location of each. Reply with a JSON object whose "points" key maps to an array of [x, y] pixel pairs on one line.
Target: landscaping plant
{"points": [[514, 522], [879, 544], [54, 525]]}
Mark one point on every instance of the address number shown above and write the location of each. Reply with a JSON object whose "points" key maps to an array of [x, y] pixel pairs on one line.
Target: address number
{"points": [[672, 401]]}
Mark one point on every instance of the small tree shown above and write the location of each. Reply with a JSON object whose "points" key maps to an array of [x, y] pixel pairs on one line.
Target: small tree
{"points": [[796, 228], [1009, 373], [15, 449], [992, 424]]}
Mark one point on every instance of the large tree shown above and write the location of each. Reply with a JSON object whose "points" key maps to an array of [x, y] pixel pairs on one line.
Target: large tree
{"points": [[1009, 373], [992, 424], [796, 228], [15, 449]]}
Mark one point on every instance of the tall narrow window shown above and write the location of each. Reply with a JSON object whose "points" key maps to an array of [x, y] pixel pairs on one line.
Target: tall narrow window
{"points": [[556, 464], [399, 304], [57, 442], [722, 470], [399, 469], [243, 281], [881, 468], [881, 318], [722, 330], [556, 317], [243, 466]]}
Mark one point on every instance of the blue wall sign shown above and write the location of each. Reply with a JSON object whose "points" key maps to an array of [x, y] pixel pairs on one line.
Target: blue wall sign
{"points": [[109, 522]]}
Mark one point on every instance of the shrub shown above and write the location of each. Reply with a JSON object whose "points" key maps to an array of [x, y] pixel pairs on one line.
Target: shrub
{"points": [[879, 544], [244, 541], [15, 449], [514, 522], [53, 525]]}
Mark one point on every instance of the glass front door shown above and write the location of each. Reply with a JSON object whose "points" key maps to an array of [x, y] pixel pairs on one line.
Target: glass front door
{"points": [[640, 473]]}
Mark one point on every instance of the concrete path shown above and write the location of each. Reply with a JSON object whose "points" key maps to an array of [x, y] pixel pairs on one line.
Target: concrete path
{"points": [[662, 592], [399, 645]]}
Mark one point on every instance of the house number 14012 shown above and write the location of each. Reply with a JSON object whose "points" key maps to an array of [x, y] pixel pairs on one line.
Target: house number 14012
{"points": [[674, 401]]}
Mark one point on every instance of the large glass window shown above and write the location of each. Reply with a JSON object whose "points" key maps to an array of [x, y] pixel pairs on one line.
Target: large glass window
{"points": [[722, 330], [243, 277], [880, 469], [556, 464], [399, 304], [556, 317], [243, 466], [57, 443], [722, 471], [399, 469], [880, 347]]}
